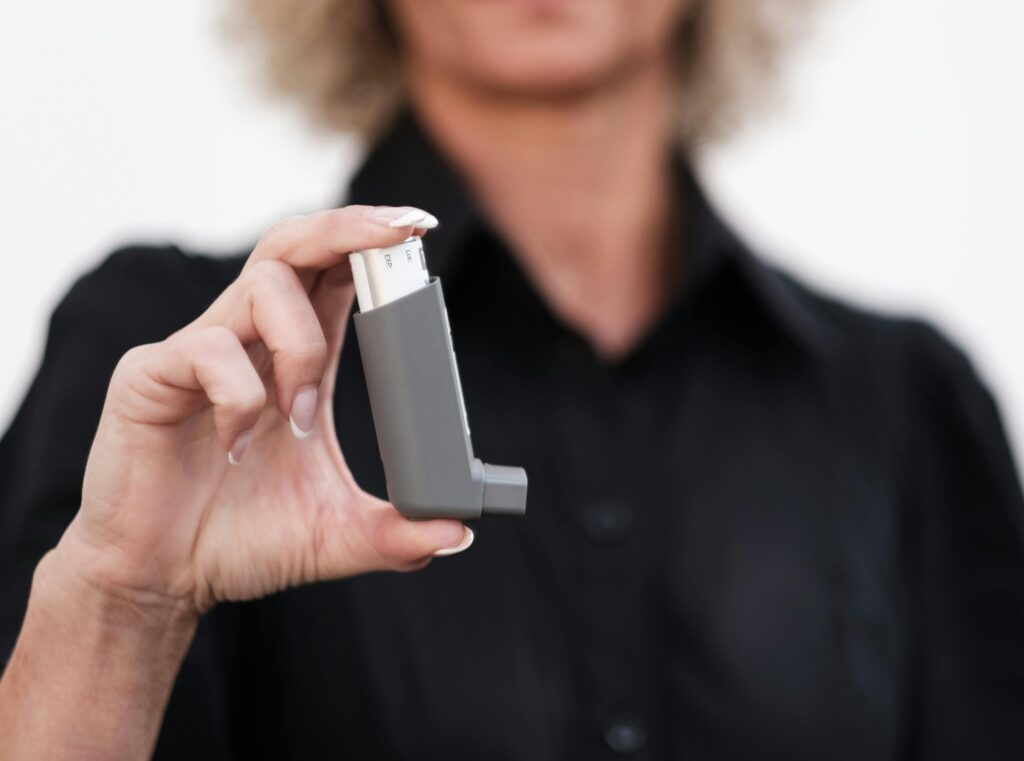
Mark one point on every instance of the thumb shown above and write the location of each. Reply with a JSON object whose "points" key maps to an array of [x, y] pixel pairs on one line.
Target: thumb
{"points": [[376, 537], [404, 544]]}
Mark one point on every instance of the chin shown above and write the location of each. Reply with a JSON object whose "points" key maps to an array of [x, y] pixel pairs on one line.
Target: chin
{"points": [[557, 60], [541, 47], [544, 76]]}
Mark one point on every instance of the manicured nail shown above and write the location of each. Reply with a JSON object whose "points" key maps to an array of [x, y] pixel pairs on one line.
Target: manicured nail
{"points": [[240, 447], [467, 539], [403, 216], [303, 412]]}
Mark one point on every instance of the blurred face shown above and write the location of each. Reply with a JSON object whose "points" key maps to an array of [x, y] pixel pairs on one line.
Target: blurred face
{"points": [[536, 47]]}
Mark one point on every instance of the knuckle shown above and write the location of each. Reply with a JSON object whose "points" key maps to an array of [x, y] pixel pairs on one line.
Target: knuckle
{"points": [[251, 401], [217, 339], [133, 360], [276, 236], [241, 402], [357, 218], [353, 212], [268, 274], [335, 221], [269, 270], [271, 282], [310, 350]]}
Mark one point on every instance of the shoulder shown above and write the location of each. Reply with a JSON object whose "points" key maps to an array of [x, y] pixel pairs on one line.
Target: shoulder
{"points": [[139, 294], [895, 369], [142, 293], [914, 392], [897, 344]]}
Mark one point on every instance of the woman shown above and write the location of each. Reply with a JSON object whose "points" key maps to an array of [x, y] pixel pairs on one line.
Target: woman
{"points": [[762, 524]]}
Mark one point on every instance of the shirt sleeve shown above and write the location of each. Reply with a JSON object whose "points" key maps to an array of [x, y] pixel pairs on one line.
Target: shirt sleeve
{"points": [[969, 565], [136, 296]]}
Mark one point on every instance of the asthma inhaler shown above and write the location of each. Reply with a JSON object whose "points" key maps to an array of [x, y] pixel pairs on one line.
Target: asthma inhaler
{"points": [[416, 396]]}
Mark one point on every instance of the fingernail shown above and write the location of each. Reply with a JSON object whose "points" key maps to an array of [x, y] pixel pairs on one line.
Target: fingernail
{"points": [[303, 412], [467, 539], [240, 447], [403, 216]]}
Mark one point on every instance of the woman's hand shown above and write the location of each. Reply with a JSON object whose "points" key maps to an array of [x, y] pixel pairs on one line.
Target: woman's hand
{"points": [[216, 473]]}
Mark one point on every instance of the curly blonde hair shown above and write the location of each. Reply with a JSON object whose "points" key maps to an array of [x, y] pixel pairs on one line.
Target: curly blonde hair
{"points": [[340, 59]]}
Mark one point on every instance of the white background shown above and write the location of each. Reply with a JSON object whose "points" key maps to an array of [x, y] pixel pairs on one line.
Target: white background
{"points": [[890, 173]]}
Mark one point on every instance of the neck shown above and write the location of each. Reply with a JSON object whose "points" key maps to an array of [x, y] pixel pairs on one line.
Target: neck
{"points": [[579, 187]]}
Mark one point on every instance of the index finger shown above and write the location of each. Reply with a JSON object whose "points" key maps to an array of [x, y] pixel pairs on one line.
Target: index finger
{"points": [[321, 240]]}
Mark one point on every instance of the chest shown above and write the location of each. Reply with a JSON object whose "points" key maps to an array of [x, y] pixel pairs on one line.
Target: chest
{"points": [[709, 564]]}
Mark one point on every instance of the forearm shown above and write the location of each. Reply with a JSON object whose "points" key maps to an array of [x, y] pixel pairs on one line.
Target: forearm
{"points": [[91, 672]]}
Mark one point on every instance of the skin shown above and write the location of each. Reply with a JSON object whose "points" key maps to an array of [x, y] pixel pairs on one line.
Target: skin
{"points": [[561, 104], [541, 104]]}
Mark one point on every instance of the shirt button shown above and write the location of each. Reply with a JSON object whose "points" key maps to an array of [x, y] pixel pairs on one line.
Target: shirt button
{"points": [[625, 733], [608, 522]]}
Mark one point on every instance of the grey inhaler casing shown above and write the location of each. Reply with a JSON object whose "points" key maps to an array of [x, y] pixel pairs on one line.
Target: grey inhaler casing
{"points": [[420, 417]]}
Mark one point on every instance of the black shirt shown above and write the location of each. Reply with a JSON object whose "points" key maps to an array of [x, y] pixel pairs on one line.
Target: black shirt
{"points": [[781, 527]]}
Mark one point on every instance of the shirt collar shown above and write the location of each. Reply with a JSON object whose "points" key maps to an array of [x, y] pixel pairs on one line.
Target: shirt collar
{"points": [[405, 168], [722, 258]]}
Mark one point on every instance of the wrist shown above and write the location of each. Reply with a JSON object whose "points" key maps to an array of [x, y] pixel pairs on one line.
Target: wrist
{"points": [[74, 584], [92, 669]]}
